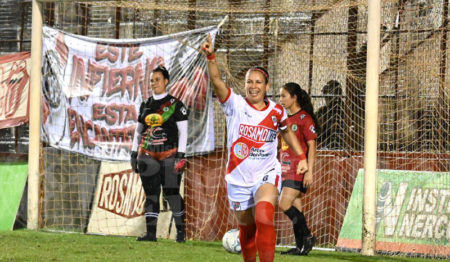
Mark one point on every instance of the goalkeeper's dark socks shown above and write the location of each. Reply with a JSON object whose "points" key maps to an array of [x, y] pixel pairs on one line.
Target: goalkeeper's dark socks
{"points": [[179, 218], [151, 221], [181, 236], [294, 216], [265, 231]]}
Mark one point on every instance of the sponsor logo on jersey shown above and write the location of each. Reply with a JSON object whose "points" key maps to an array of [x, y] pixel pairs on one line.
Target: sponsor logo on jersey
{"points": [[313, 130], [256, 153], [294, 127], [183, 110], [241, 150], [154, 120], [302, 116], [155, 136], [284, 145], [259, 134], [285, 159]]}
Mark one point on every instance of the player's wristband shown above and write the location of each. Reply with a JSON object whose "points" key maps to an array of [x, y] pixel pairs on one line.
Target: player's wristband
{"points": [[302, 156], [211, 56]]}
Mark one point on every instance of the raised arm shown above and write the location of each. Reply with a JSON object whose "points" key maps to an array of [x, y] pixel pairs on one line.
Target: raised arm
{"points": [[220, 88], [293, 143]]}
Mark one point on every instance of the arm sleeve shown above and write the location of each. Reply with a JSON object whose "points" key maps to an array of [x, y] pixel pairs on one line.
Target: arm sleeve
{"points": [[309, 129], [181, 112], [140, 114], [283, 120], [182, 135], [137, 136], [231, 101]]}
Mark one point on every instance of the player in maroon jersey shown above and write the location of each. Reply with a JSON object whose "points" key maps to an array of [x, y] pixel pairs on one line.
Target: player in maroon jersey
{"points": [[253, 170], [303, 123]]}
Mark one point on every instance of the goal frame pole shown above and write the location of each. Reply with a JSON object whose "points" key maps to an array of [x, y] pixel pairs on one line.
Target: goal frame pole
{"points": [[371, 128], [35, 117]]}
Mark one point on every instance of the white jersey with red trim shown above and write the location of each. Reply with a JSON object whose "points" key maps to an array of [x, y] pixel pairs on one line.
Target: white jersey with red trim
{"points": [[252, 138]]}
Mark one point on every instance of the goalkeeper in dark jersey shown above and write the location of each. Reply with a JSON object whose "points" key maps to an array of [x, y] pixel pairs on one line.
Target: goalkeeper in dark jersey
{"points": [[158, 152]]}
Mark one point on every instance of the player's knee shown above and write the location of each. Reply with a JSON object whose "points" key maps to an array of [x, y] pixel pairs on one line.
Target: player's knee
{"points": [[153, 198], [284, 205]]}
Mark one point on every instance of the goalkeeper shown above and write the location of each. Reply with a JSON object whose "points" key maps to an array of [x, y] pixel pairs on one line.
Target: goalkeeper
{"points": [[158, 150]]}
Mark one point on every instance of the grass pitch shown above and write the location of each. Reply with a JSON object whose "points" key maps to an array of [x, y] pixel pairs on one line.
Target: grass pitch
{"points": [[25, 245]]}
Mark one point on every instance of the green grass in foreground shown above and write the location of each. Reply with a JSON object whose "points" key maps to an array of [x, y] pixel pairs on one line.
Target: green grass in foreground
{"points": [[24, 245]]}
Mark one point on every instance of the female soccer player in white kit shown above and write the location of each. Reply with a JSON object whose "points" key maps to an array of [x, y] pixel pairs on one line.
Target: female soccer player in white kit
{"points": [[253, 172]]}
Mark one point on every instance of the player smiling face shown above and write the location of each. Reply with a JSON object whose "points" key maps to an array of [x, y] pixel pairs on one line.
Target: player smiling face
{"points": [[255, 87], [158, 83], [286, 99]]}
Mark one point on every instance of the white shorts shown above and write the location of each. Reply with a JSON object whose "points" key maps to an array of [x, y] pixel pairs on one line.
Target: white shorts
{"points": [[242, 198]]}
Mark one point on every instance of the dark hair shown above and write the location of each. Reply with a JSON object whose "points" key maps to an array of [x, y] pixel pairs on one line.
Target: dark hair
{"points": [[163, 71], [261, 70], [303, 99]]}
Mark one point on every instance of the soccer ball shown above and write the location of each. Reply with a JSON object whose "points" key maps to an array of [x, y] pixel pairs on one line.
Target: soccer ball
{"points": [[230, 241]]}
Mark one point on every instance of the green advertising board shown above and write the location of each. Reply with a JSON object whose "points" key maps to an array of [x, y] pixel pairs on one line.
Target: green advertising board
{"points": [[413, 213], [12, 183]]}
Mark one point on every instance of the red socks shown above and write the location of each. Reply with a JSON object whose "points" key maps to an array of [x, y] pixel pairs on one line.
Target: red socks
{"points": [[265, 233], [247, 238], [260, 236]]}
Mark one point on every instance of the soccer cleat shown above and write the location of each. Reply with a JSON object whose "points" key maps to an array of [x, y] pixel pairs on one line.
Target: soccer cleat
{"points": [[293, 251], [151, 238], [308, 243]]}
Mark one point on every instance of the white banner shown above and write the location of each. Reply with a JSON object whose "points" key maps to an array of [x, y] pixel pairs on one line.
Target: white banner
{"points": [[93, 88], [118, 206], [14, 89]]}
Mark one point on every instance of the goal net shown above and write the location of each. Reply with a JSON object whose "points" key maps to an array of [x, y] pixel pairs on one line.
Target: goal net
{"points": [[319, 44]]}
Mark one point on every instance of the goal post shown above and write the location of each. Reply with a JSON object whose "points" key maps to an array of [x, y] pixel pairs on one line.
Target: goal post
{"points": [[371, 129], [34, 152]]}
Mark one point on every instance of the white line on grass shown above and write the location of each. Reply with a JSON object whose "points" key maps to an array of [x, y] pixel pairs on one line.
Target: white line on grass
{"points": [[314, 248]]}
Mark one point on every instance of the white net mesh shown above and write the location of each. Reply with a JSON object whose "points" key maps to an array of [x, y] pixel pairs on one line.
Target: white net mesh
{"points": [[319, 44]]}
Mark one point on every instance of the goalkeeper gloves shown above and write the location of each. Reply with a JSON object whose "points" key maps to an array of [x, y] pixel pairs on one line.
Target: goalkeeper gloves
{"points": [[180, 162]]}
